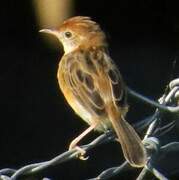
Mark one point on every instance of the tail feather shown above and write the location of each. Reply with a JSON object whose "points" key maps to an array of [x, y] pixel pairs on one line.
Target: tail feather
{"points": [[132, 146]]}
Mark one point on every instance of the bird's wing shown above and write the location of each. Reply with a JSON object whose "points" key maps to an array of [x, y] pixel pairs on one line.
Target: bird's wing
{"points": [[98, 86], [82, 83]]}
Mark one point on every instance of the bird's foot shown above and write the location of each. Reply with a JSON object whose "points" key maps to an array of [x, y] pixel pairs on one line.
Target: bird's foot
{"points": [[81, 152]]}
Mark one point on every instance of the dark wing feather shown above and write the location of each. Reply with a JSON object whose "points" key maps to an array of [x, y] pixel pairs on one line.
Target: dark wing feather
{"points": [[82, 84], [83, 68], [117, 87]]}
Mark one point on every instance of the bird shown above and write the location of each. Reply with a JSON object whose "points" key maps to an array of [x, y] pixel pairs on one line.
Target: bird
{"points": [[93, 86]]}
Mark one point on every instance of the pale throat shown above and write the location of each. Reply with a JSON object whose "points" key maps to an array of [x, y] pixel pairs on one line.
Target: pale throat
{"points": [[69, 47]]}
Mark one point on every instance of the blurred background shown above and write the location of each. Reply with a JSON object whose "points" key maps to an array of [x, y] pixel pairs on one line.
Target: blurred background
{"points": [[36, 122]]}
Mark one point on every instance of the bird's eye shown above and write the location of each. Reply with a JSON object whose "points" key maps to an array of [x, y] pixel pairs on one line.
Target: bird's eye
{"points": [[68, 34]]}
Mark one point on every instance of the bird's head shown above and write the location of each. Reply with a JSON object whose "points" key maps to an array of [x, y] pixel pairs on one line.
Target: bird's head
{"points": [[78, 32]]}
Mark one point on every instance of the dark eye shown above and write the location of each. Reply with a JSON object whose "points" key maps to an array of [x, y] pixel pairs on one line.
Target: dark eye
{"points": [[68, 34]]}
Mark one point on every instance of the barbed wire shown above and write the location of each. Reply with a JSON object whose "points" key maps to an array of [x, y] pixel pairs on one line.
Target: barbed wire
{"points": [[168, 103]]}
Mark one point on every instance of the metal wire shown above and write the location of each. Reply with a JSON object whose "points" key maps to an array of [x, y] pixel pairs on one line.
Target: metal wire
{"points": [[151, 142]]}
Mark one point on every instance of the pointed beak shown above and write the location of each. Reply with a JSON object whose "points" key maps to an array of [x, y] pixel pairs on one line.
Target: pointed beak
{"points": [[50, 31]]}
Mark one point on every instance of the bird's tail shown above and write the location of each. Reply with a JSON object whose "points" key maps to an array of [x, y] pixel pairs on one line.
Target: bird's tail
{"points": [[132, 146]]}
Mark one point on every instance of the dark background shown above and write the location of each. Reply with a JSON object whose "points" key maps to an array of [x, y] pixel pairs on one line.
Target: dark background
{"points": [[36, 122]]}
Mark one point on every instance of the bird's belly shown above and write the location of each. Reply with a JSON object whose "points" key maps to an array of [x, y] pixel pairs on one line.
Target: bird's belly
{"points": [[103, 121], [87, 116], [83, 113], [79, 109]]}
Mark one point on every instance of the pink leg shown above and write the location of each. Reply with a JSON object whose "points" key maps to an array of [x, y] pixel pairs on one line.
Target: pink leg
{"points": [[74, 143]]}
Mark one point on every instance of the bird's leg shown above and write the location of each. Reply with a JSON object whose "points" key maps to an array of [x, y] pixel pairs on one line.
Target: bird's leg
{"points": [[73, 144]]}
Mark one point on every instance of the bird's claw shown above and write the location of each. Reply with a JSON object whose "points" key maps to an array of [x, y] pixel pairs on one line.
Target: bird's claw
{"points": [[81, 153]]}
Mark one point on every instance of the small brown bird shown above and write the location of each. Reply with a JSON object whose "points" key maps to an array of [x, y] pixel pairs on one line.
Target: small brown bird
{"points": [[93, 86]]}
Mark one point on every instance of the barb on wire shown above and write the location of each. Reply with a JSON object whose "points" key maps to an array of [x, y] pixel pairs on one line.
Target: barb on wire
{"points": [[151, 141]]}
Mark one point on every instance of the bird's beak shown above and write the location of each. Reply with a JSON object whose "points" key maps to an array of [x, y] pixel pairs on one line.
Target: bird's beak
{"points": [[50, 31]]}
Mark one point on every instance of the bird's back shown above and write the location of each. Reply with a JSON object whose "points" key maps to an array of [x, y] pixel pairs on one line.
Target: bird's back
{"points": [[87, 79]]}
